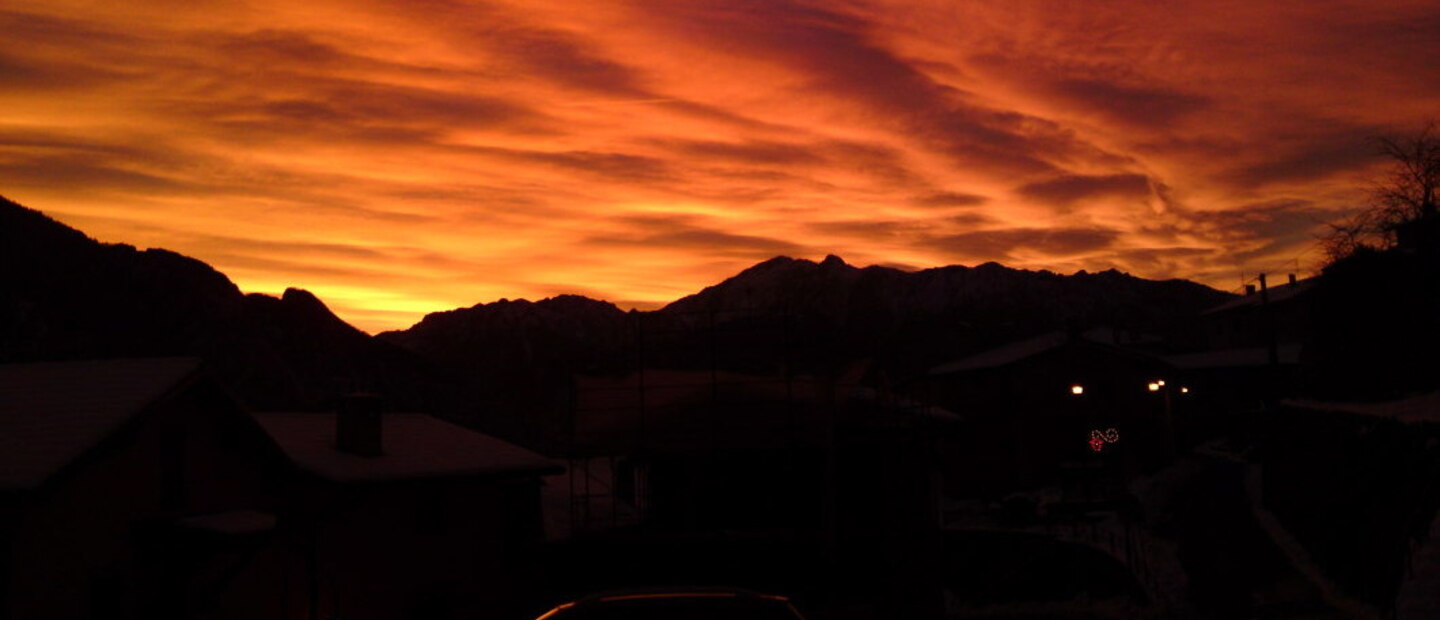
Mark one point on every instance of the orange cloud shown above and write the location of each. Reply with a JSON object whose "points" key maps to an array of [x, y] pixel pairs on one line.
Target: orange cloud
{"points": [[404, 156]]}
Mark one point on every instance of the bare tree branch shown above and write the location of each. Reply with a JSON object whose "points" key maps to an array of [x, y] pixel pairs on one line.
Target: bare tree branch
{"points": [[1401, 202]]}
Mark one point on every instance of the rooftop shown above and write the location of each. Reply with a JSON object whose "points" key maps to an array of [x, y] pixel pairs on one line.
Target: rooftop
{"points": [[1422, 408], [415, 446], [1004, 354], [1100, 338], [1276, 294], [694, 410], [51, 413], [1287, 354]]}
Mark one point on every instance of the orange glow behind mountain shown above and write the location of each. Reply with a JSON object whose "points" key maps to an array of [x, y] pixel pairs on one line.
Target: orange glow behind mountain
{"points": [[401, 157]]}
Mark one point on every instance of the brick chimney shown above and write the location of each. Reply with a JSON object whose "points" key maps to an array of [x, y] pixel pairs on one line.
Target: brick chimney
{"points": [[358, 425], [1292, 279]]}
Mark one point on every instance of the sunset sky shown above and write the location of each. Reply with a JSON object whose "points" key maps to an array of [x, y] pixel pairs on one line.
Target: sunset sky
{"points": [[398, 157]]}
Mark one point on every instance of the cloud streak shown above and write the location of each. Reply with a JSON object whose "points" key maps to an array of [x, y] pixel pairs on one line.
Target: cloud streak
{"points": [[398, 157]]}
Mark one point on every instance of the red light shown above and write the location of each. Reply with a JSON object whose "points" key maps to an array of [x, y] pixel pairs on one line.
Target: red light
{"points": [[1099, 438], [1097, 444]]}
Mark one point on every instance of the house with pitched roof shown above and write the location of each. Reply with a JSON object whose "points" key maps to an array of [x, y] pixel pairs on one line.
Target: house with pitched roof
{"points": [[130, 488], [404, 515], [139, 488]]}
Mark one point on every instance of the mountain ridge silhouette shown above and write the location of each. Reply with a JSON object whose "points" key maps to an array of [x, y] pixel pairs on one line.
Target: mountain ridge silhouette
{"points": [[64, 295]]}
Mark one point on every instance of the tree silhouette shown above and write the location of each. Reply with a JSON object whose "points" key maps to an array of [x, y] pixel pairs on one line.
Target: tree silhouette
{"points": [[1402, 212], [1376, 314]]}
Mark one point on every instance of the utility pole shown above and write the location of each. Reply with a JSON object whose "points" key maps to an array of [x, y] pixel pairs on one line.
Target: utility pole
{"points": [[831, 484], [1268, 324], [1169, 422], [640, 376], [1267, 315]]}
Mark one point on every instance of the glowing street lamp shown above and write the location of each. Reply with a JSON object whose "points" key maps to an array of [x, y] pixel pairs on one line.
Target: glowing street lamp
{"points": [[1167, 419], [1077, 389]]}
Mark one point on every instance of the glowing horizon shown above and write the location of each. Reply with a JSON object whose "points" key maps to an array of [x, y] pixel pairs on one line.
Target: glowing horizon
{"points": [[398, 158]]}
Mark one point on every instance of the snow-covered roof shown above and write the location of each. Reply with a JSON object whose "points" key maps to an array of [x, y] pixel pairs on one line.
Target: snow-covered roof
{"points": [[1288, 354], [51, 413], [914, 407], [1105, 334], [1422, 408], [1099, 338], [684, 409], [414, 446], [1004, 354], [1275, 294]]}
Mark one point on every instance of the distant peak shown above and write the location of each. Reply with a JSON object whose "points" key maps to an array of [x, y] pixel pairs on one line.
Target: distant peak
{"points": [[307, 302], [778, 260], [832, 260], [775, 263], [567, 298], [300, 295], [572, 301]]}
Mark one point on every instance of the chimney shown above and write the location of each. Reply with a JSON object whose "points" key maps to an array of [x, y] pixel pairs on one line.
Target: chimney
{"points": [[358, 425], [1292, 279], [1249, 289]]}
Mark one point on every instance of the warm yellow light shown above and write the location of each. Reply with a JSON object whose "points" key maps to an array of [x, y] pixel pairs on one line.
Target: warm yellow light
{"points": [[1154, 386], [557, 610], [1184, 390], [632, 597], [1077, 389], [1160, 383]]}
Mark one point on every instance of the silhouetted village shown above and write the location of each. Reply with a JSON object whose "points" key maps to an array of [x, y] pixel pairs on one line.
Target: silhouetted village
{"points": [[961, 442]]}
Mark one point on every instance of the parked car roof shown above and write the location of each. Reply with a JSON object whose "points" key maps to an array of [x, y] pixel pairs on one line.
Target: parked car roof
{"points": [[689, 603]]}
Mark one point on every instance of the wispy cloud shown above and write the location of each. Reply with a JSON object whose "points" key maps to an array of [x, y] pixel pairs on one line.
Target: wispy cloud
{"points": [[402, 156]]}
